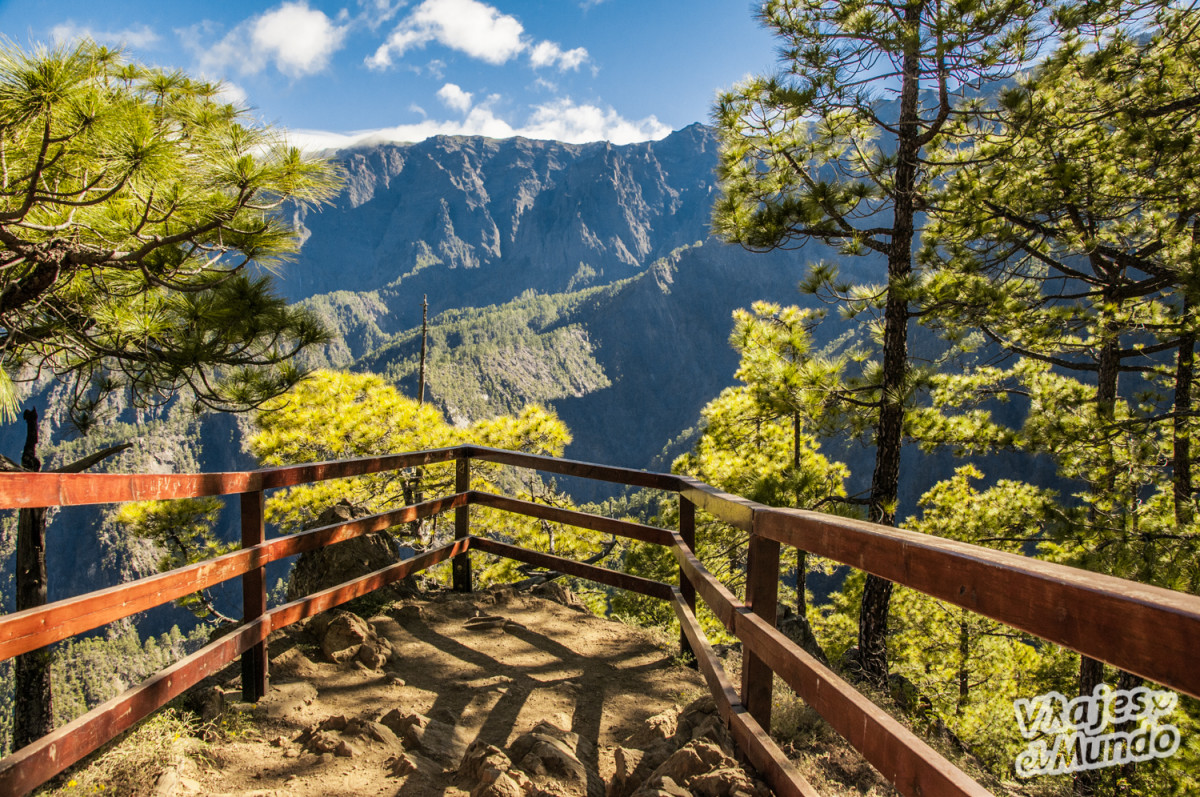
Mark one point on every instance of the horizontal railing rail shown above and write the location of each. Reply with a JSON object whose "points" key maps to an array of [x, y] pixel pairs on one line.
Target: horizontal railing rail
{"points": [[1145, 630]]}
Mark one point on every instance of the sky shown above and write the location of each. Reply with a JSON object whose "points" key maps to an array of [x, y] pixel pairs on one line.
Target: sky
{"points": [[336, 73]]}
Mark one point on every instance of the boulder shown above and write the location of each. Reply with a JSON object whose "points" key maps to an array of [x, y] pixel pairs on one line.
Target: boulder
{"points": [[342, 561], [346, 637], [479, 758]]}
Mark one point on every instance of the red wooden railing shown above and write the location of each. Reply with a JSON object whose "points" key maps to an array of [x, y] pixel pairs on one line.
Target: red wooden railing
{"points": [[1148, 631]]}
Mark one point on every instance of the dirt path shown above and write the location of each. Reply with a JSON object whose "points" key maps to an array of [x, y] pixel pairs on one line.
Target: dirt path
{"points": [[489, 680]]}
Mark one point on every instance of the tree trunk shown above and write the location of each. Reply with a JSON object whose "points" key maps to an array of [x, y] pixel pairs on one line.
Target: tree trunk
{"points": [[964, 672], [1091, 673], [804, 632], [885, 480], [1182, 455], [32, 695]]}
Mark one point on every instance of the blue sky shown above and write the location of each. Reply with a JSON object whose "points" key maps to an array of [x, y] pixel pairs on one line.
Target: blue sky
{"points": [[336, 72]]}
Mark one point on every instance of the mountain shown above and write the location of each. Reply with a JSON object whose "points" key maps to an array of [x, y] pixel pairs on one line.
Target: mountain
{"points": [[474, 221], [580, 276]]}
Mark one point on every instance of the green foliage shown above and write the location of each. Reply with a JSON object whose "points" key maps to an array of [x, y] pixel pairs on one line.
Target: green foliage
{"points": [[133, 208], [340, 416], [90, 670], [495, 360], [182, 530]]}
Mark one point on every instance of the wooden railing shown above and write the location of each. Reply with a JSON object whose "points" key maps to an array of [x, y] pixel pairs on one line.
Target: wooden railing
{"points": [[1147, 631]]}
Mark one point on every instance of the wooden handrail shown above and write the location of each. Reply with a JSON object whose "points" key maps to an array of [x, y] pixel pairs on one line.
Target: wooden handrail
{"points": [[30, 629], [1146, 630]]}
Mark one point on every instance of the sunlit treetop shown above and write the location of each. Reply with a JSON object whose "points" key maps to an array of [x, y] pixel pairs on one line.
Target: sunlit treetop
{"points": [[137, 213]]}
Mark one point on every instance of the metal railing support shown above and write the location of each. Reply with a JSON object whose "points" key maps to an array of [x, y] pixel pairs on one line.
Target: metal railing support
{"points": [[461, 564], [254, 598]]}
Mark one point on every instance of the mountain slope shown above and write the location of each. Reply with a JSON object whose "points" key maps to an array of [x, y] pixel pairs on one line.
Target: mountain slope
{"points": [[473, 221]]}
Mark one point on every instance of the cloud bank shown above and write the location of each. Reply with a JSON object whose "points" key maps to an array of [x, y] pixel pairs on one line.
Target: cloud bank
{"points": [[559, 120]]}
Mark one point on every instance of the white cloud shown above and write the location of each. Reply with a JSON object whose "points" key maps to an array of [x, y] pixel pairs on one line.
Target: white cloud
{"points": [[454, 98], [474, 28], [561, 120], [299, 41], [233, 94], [549, 54], [299, 38], [377, 12], [468, 26], [136, 36]]}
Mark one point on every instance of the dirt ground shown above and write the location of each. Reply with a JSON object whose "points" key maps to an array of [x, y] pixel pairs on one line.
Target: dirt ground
{"points": [[542, 662]]}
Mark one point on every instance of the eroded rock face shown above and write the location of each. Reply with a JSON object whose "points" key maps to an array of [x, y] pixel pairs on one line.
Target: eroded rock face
{"points": [[437, 740], [549, 752], [681, 752], [675, 754], [343, 561]]}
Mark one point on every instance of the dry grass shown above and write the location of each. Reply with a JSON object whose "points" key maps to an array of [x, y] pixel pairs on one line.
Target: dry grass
{"points": [[133, 762]]}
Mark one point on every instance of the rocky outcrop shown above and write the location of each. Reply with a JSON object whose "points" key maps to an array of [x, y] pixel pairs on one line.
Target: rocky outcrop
{"points": [[681, 752], [343, 561], [676, 753]]}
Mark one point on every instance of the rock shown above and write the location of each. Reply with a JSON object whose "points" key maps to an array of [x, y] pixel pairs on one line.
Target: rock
{"points": [[321, 742], [690, 762], [373, 731], [626, 762], [341, 635], [498, 784], [167, 783], [479, 758], [638, 770], [345, 750], [440, 741], [400, 765], [210, 703], [656, 729], [551, 752], [342, 561], [553, 591], [372, 655], [337, 722], [190, 785]]}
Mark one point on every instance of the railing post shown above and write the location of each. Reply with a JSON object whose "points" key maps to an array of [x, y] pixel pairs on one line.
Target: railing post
{"points": [[461, 565], [762, 596], [687, 530], [254, 598]]}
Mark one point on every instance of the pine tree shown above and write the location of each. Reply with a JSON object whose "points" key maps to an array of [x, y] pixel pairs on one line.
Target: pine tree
{"points": [[834, 150], [135, 209]]}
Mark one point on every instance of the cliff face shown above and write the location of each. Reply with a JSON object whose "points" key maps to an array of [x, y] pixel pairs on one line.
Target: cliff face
{"points": [[475, 221]]}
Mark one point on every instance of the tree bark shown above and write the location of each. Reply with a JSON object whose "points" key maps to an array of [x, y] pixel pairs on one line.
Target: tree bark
{"points": [[32, 694], [1091, 673], [964, 670], [1182, 454], [885, 480]]}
